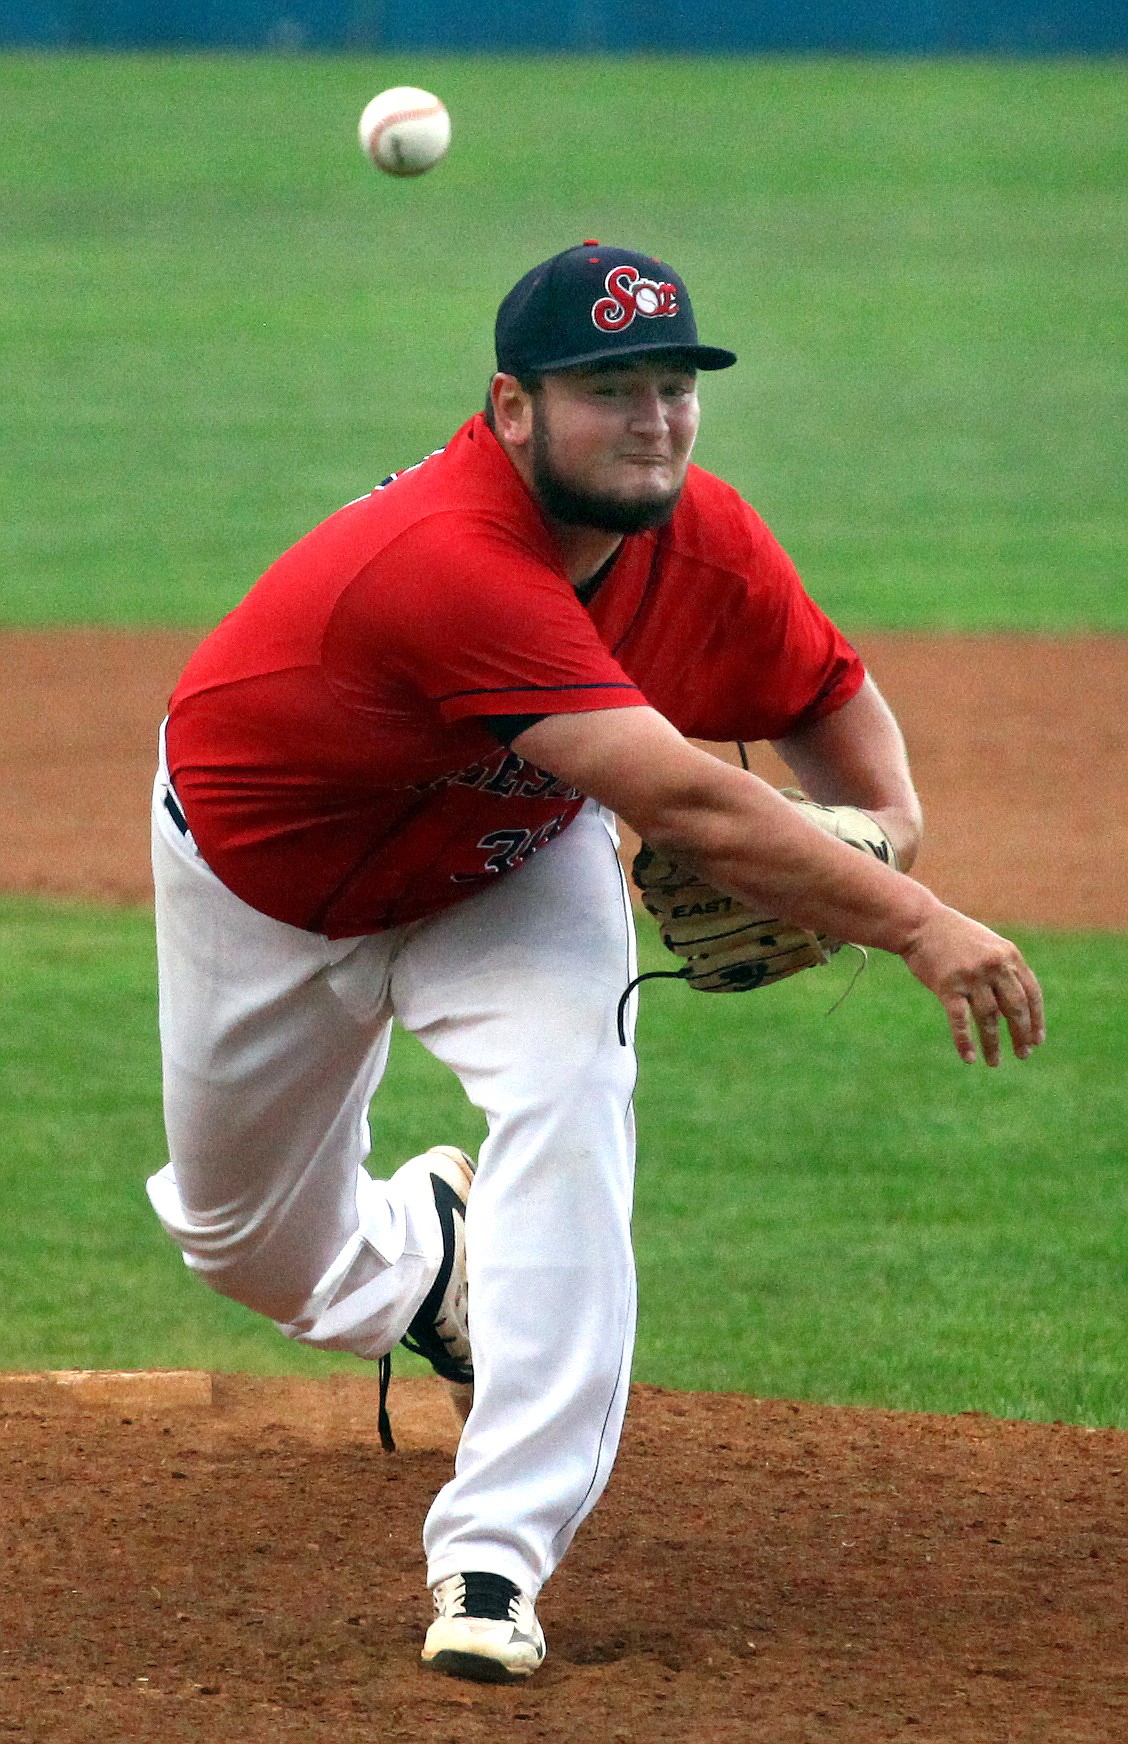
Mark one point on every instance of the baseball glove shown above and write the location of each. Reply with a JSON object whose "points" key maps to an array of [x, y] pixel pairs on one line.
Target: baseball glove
{"points": [[728, 947]]}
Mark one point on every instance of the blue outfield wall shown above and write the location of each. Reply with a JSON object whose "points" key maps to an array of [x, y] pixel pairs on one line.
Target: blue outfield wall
{"points": [[624, 26]]}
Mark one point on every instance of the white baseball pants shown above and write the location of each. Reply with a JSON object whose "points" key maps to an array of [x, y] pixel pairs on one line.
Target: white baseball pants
{"points": [[274, 1041]]}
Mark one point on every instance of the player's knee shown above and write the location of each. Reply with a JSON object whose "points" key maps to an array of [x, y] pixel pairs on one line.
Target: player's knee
{"points": [[229, 1252], [255, 1282]]}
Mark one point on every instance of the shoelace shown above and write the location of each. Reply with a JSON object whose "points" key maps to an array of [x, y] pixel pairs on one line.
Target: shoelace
{"points": [[383, 1421], [486, 1595]]}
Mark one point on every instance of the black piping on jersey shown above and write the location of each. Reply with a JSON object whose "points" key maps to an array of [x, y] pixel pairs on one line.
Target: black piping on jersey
{"points": [[808, 714], [505, 728], [528, 690], [586, 591]]}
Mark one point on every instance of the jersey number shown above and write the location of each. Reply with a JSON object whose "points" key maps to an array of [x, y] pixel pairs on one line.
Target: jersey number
{"points": [[505, 849]]}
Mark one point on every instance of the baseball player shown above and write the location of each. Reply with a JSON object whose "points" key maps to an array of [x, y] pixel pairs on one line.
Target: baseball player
{"points": [[386, 791]]}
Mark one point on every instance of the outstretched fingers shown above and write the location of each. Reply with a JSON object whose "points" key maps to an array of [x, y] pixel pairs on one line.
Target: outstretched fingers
{"points": [[958, 1008], [1020, 1001], [1012, 994], [982, 980]]}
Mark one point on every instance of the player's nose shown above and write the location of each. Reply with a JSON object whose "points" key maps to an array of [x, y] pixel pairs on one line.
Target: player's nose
{"points": [[649, 410]]}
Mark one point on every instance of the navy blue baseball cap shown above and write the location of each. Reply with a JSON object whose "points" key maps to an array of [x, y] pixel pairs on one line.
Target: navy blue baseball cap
{"points": [[595, 304]]}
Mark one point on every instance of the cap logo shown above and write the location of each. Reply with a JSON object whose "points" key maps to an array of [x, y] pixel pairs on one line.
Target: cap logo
{"points": [[629, 295]]}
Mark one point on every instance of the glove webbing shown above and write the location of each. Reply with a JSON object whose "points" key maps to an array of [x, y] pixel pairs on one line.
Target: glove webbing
{"points": [[682, 974]]}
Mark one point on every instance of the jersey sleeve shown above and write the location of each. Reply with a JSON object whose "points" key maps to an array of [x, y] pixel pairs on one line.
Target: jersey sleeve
{"points": [[810, 668], [778, 660], [475, 624]]}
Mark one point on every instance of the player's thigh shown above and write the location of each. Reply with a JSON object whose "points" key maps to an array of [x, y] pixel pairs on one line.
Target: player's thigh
{"points": [[272, 1039], [531, 971]]}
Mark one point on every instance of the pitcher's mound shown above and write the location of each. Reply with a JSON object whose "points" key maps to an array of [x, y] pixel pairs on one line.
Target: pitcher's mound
{"points": [[212, 1558]]}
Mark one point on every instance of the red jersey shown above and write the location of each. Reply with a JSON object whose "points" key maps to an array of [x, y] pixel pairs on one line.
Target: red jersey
{"points": [[328, 741]]}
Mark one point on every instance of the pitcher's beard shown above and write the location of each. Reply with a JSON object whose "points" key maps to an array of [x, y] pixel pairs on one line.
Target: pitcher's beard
{"points": [[582, 508]]}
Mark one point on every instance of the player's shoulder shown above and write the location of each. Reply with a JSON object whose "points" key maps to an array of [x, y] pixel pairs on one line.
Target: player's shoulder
{"points": [[455, 491], [709, 496], [429, 485], [715, 525], [451, 533]]}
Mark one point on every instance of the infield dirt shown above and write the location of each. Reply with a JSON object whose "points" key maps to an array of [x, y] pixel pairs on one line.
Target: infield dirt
{"points": [[222, 1559], [1019, 747]]}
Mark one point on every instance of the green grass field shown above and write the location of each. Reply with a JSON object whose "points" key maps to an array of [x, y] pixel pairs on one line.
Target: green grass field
{"points": [[829, 1207], [218, 323]]}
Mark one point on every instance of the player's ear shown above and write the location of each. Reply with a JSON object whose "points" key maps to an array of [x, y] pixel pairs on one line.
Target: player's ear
{"points": [[512, 407]]}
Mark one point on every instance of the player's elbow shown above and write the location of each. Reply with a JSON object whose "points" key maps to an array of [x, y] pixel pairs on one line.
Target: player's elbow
{"points": [[904, 825], [685, 822]]}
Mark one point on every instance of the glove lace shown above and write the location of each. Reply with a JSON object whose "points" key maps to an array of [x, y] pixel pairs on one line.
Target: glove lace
{"points": [[650, 975], [383, 1421]]}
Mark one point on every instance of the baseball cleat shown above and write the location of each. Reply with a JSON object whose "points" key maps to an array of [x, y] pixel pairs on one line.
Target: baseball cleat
{"points": [[485, 1628], [440, 1331]]}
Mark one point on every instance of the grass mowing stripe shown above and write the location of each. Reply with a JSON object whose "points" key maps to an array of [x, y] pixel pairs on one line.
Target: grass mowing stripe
{"points": [[215, 332], [829, 1207], [862, 1219]]}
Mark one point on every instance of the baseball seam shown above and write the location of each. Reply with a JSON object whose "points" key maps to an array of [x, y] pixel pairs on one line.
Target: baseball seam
{"points": [[381, 127]]}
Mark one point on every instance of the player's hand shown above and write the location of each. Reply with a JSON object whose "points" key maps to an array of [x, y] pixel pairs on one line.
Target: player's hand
{"points": [[981, 980]]}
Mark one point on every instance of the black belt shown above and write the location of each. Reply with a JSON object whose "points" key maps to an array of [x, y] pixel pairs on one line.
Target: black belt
{"points": [[173, 809]]}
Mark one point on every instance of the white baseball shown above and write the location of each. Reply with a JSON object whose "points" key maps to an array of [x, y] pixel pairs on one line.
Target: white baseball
{"points": [[404, 131]]}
